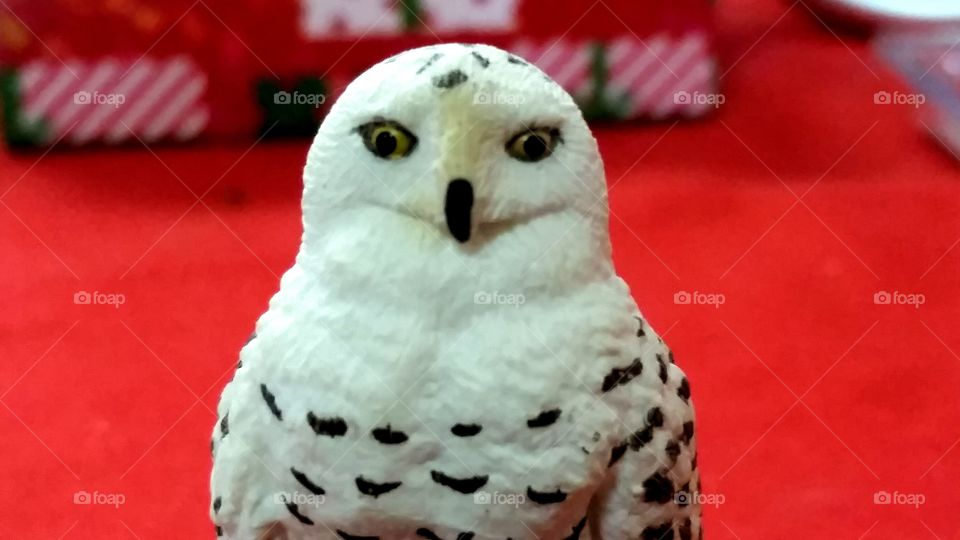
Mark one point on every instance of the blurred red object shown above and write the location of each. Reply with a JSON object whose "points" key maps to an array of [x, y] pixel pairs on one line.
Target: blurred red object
{"points": [[119, 70]]}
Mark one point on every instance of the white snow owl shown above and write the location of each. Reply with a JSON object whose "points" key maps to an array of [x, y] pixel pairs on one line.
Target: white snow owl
{"points": [[452, 356]]}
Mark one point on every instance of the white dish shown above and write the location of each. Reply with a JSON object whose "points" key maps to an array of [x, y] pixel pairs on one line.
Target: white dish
{"points": [[896, 10]]}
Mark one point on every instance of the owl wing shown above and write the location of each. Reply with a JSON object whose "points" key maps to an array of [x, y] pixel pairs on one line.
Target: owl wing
{"points": [[248, 487], [651, 492]]}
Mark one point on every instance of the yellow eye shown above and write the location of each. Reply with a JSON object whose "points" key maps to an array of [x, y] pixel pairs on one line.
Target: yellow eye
{"points": [[534, 144], [387, 140]]}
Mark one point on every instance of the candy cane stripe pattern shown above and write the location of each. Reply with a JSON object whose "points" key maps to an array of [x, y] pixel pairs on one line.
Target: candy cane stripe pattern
{"points": [[115, 101]]}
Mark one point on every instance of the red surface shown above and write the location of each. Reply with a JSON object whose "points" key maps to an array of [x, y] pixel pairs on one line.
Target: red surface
{"points": [[119, 400]]}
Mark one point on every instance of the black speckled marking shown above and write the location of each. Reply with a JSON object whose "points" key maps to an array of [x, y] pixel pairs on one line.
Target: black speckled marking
{"points": [[386, 435], [660, 532], [331, 427], [375, 489], [616, 453], [577, 529], [684, 390], [271, 402], [663, 368], [429, 62], [670, 357], [546, 497], [216, 504], [687, 433], [621, 376], [673, 451], [655, 417], [295, 512], [225, 425], [428, 534], [348, 536], [451, 79], [482, 60], [466, 430], [658, 488], [640, 330], [640, 438], [219, 530], [544, 419], [305, 482], [516, 60], [460, 485]]}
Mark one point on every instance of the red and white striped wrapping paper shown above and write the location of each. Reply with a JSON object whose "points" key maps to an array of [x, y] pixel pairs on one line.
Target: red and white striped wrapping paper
{"points": [[112, 100], [660, 74]]}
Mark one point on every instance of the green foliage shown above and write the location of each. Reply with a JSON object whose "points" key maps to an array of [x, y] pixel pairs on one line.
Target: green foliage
{"points": [[599, 104], [411, 13], [284, 115], [17, 131]]}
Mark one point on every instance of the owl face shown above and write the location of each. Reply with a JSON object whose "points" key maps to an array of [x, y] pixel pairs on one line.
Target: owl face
{"points": [[467, 140]]}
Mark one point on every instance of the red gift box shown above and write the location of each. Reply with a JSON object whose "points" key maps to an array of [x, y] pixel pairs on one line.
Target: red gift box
{"points": [[121, 70]]}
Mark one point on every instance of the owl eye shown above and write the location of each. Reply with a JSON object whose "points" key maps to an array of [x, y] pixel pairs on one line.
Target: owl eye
{"points": [[387, 140], [534, 144]]}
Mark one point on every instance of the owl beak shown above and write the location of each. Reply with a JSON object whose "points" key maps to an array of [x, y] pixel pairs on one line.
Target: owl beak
{"points": [[458, 207]]}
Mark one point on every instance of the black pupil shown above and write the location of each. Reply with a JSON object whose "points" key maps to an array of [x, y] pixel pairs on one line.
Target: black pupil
{"points": [[386, 143], [534, 147]]}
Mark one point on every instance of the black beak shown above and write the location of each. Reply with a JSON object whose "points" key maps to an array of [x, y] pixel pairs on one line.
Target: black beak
{"points": [[457, 207]]}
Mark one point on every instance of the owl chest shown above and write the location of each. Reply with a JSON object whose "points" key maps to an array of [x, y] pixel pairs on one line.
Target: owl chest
{"points": [[490, 419]]}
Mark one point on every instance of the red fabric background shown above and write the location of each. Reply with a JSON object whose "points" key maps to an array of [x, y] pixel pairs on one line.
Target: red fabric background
{"points": [[119, 400]]}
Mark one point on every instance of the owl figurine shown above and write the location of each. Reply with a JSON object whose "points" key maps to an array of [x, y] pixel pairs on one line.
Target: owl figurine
{"points": [[453, 356]]}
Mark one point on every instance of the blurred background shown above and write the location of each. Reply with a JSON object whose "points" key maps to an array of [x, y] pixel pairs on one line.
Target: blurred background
{"points": [[784, 190]]}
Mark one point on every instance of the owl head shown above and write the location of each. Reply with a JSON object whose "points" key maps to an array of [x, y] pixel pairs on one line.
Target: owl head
{"points": [[455, 146]]}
